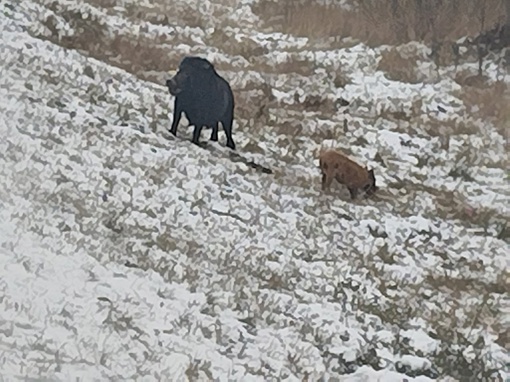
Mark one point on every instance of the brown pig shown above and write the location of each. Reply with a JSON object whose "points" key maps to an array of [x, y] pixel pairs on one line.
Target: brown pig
{"points": [[336, 165]]}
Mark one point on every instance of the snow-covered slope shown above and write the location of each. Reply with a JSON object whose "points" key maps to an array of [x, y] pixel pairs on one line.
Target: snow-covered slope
{"points": [[128, 254]]}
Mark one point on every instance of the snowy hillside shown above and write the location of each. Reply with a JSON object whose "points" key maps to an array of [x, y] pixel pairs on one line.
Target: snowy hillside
{"points": [[127, 253]]}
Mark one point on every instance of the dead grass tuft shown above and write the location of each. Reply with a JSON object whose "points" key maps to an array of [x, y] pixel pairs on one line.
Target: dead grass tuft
{"points": [[287, 130], [341, 79], [316, 103], [466, 78], [397, 67]]}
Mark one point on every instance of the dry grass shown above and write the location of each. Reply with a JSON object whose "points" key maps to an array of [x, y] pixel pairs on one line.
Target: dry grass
{"points": [[445, 324], [246, 48], [136, 55], [253, 104], [165, 13], [488, 101], [144, 56], [439, 128], [293, 65], [452, 206], [314, 103], [466, 78], [139, 55], [397, 67], [404, 115], [307, 19], [341, 79], [103, 3], [384, 22]]}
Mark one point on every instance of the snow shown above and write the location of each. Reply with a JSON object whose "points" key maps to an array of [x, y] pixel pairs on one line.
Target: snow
{"points": [[129, 254]]}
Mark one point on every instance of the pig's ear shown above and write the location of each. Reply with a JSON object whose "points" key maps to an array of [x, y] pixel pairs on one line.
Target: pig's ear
{"points": [[206, 65], [203, 64]]}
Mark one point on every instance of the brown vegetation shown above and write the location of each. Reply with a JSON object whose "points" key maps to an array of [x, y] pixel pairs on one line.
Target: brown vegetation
{"points": [[384, 22], [137, 55], [397, 67], [488, 101]]}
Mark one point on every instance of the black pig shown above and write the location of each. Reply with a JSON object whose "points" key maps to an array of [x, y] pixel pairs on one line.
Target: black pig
{"points": [[205, 98]]}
